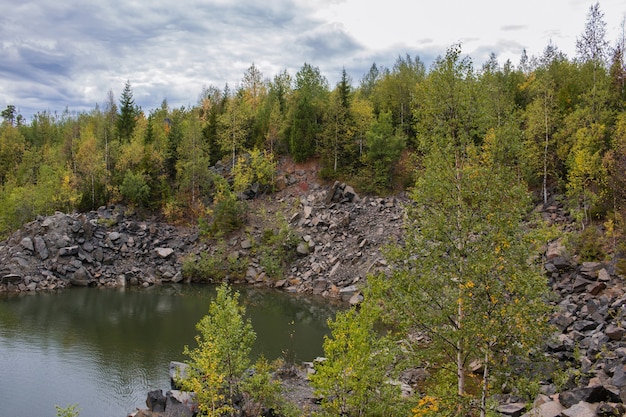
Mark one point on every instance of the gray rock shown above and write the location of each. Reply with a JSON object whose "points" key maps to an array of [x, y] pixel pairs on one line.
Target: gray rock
{"points": [[180, 404], [302, 249], [549, 409], [156, 400], [68, 251], [512, 409], [27, 244], [41, 248], [164, 252], [581, 409], [80, 278], [11, 279], [614, 332]]}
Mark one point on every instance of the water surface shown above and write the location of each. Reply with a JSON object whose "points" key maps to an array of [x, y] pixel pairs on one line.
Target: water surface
{"points": [[105, 348]]}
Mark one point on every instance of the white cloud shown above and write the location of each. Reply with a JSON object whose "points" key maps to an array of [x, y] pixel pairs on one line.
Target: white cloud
{"points": [[58, 54]]}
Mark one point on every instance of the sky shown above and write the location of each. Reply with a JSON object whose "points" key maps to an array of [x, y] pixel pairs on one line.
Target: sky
{"points": [[57, 55]]}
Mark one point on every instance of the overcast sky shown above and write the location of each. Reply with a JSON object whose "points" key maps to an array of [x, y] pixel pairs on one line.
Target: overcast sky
{"points": [[70, 53]]}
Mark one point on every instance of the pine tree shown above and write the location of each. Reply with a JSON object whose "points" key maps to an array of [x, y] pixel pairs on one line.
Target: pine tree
{"points": [[126, 120]]}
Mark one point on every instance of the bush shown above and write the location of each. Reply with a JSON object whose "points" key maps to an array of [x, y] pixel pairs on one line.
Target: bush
{"points": [[217, 365], [135, 189]]}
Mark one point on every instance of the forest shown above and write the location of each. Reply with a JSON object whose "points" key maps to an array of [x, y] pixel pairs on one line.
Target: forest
{"points": [[560, 122]]}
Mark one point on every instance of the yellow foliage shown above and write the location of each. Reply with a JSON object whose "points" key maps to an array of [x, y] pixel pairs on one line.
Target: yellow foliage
{"points": [[426, 406]]}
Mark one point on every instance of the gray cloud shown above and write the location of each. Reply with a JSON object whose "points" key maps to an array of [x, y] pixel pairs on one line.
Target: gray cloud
{"points": [[55, 54]]}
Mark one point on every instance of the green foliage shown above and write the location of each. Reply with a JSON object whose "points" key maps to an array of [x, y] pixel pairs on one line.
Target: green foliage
{"points": [[262, 392], [126, 120], [258, 167], [218, 363], [215, 267], [71, 410], [382, 152], [134, 189], [353, 379], [227, 213], [589, 245], [277, 247], [463, 280]]}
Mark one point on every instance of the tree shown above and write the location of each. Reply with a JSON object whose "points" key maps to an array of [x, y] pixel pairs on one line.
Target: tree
{"points": [[446, 103], [218, 363], [352, 380], [310, 95], [462, 281], [126, 120], [382, 151], [234, 123], [8, 114], [592, 45]]}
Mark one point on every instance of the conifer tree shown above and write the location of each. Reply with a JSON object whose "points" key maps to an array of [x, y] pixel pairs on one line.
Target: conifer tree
{"points": [[126, 120]]}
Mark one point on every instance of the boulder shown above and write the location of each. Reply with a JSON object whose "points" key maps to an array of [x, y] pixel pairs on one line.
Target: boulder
{"points": [[548, 409], [180, 404], [156, 400], [581, 409], [41, 248]]}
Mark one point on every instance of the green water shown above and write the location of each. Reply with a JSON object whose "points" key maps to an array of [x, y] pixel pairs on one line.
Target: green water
{"points": [[105, 349]]}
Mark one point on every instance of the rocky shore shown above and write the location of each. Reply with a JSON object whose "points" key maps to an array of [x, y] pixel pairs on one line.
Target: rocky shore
{"points": [[340, 240]]}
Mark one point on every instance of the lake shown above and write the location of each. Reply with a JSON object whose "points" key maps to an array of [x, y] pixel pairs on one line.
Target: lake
{"points": [[106, 348]]}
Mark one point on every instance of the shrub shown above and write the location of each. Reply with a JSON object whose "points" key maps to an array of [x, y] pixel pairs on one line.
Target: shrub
{"points": [[217, 365]]}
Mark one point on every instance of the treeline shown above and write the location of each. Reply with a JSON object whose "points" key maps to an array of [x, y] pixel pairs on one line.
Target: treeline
{"points": [[560, 122]]}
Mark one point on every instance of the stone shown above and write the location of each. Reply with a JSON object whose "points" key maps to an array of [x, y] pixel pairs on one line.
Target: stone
{"points": [[307, 211], [80, 278], [27, 244], [164, 253], [113, 236], [603, 275], [548, 409], [302, 249], [180, 404], [512, 409], [177, 371], [581, 409], [246, 244], [592, 394], [40, 248], [11, 279], [156, 400], [614, 332], [68, 251]]}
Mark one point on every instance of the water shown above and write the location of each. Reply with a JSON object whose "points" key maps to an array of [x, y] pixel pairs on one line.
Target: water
{"points": [[105, 349]]}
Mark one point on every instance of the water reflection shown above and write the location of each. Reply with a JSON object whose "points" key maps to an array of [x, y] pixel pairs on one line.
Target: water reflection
{"points": [[104, 349]]}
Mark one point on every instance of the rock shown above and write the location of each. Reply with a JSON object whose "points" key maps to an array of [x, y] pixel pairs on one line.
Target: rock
{"points": [[246, 244], [40, 248], [549, 409], [302, 249], [603, 275], [113, 236], [27, 244], [156, 400], [80, 278], [356, 299], [11, 279], [178, 370], [593, 394], [614, 332], [581, 409], [68, 251], [164, 252], [180, 404], [512, 409]]}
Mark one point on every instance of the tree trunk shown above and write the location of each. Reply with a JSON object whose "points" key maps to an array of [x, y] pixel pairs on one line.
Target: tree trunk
{"points": [[483, 399]]}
